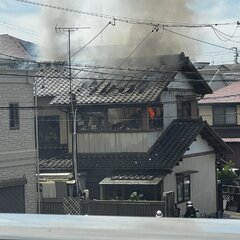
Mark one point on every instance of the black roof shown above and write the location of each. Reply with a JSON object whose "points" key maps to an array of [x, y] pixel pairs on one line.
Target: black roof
{"points": [[104, 86], [167, 151]]}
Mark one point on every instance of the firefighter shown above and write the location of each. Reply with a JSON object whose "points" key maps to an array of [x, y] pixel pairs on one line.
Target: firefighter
{"points": [[190, 210]]}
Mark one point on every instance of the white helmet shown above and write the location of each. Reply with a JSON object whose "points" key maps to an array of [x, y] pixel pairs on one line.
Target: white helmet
{"points": [[159, 213]]}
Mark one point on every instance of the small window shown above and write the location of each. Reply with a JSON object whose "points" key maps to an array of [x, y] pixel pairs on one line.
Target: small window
{"points": [[183, 188], [184, 109], [14, 122], [224, 115]]}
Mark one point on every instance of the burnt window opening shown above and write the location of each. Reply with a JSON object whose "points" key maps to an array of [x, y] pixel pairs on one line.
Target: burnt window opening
{"points": [[49, 130], [187, 107], [89, 121], [184, 109], [155, 116], [114, 119], [129, 118], [14, 118]]}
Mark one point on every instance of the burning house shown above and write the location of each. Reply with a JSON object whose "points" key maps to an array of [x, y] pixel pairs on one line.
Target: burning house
{"points": [[138, 130]]}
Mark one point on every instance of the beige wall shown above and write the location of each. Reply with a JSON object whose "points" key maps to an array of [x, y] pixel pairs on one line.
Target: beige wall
{"points": [[206, 113], [238, 114]]}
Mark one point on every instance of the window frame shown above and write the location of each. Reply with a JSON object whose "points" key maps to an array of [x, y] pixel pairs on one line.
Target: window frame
{"points": [[224, 107], [180, 180], [14, 116]]}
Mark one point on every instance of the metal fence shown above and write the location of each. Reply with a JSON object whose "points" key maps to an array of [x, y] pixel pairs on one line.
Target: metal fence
{"points": [[52, 206], [107, 207], [122, 208]]}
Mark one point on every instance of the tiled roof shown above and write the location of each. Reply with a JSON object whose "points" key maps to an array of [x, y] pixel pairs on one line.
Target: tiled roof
{"points": [[16, 47], [228, 94], [232, 76], [164, 154], [103, 86]]}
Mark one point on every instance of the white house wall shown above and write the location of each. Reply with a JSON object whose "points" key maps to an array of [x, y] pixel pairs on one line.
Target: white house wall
{"points": [[203, 183], [198, 146]]}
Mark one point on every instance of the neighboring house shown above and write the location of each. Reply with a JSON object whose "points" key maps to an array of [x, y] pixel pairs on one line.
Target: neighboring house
{"points": [[17, 148], [14, 51], [137, 130], [222, 111], [214, 75]]}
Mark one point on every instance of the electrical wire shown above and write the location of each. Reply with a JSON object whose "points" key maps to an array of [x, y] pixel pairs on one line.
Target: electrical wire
{"points": [[136, 79], [134, 50], [125, 19], [18, 28], [195, 39], [221, 36], [31, 108], [109, 23]]}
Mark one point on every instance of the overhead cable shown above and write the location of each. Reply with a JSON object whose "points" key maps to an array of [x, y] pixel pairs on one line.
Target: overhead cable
{"points": [[125, 19]]}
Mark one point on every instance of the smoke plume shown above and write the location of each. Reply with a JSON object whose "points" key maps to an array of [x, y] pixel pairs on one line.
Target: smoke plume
{"points": [[119, 40]]}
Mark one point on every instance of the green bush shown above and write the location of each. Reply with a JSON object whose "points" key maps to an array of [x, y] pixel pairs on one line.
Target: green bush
{"points": [[226, 173], [134, 196]]}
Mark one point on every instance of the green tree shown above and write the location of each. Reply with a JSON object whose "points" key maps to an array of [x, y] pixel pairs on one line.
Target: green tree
{"points": [[226, 172]]}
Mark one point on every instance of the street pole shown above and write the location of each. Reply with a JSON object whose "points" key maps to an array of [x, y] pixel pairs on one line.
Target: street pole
{"points": [[37, 149], [73, 104], [74, 117], [236, 55]]}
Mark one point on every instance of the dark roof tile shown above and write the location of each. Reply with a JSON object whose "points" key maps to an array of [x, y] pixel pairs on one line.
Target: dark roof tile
{"points": [[163, 155], [111, 87]]}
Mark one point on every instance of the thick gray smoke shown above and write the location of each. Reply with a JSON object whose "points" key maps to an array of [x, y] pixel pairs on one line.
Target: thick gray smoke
{"points": [[119, 40]]}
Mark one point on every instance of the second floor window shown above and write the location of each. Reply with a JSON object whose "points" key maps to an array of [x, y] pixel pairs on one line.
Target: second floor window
{"points": [[184, 109], [14, 122], [224, 115]]}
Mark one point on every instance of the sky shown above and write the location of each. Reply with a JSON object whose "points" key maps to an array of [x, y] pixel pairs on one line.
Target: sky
{"points": [[25, 21]]}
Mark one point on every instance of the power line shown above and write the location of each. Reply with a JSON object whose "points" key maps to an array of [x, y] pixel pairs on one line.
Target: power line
{"points": [[195, 39], [109, 23], [126, 19], [18, 28], [224, 37], [136, 79], [144, 39]]}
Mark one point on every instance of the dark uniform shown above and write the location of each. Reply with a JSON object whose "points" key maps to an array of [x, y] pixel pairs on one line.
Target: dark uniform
{"points": [[190, 210]]}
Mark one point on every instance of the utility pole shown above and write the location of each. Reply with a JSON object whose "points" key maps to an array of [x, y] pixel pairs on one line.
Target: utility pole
{"points": [[73, 104], [236, 55]]}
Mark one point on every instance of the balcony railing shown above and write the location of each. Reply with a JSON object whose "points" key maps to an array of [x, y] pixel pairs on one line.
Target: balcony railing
{"points": [[119, 125]]}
